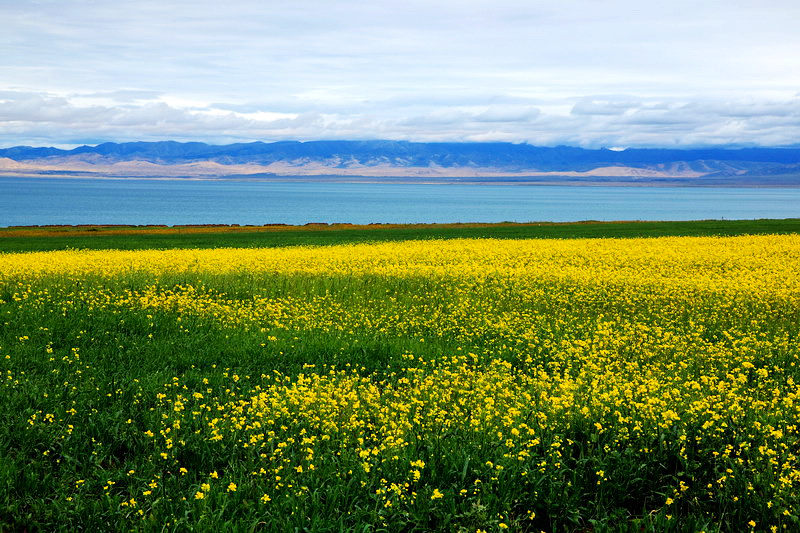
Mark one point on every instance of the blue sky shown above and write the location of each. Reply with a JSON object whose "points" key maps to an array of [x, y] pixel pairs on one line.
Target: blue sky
{"points": [[578, 72]]}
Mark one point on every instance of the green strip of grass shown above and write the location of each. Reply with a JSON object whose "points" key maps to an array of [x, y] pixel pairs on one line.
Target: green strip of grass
{"points": [[305, 236]]}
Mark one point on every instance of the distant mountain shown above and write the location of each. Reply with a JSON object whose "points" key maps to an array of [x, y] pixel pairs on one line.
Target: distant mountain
{"points": [[396, 158]]}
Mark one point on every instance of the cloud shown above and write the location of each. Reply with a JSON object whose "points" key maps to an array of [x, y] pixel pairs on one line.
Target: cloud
{"points": [[620, 73], [604, 106], [507, 113], [592, 121]]}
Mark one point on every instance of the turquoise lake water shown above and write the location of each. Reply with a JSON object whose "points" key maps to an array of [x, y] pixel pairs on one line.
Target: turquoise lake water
{"points": [[43, 201]]}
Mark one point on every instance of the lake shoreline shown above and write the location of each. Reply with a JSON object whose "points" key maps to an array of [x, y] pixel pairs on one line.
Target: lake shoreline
{"points": [[750, 182], [64, 202], [42, 238]]}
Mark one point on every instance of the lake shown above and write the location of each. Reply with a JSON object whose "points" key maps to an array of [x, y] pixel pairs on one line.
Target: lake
{"points": [[31, 201]]}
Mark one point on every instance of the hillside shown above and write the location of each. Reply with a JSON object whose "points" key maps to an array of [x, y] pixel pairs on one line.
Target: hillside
{"points": [[398, 159]]}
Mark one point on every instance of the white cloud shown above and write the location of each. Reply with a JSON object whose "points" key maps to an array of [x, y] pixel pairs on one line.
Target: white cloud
{"points": [[593, 121], [594, 73]]}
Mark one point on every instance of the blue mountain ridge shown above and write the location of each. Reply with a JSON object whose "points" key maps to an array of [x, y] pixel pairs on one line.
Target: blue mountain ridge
{"points": [[452, 154]]}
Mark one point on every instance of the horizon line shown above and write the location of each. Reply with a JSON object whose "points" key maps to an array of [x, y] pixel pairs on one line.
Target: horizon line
{"points": [[733, 146]]}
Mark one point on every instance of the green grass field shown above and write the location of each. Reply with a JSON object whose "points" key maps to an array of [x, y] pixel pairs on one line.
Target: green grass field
{"points": [[16, 240], [378, 384]]}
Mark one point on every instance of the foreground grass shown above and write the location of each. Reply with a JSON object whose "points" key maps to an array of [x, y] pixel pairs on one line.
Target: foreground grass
{"points": [[558, 385], [132, 238]]}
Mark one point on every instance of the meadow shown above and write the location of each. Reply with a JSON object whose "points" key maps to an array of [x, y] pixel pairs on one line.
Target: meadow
{"points": [[461, 384], [28, 239]]}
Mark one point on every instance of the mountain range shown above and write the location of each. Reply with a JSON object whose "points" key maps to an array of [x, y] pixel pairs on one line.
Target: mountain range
{"points": [[414, 161]]}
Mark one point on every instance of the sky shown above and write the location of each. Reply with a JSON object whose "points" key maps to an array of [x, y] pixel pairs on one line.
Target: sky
{"points": [[588, 73]]}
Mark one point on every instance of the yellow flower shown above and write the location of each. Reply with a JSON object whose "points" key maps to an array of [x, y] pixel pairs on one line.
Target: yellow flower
{"points": [[436, 494], [231, 487], [199, 495]]}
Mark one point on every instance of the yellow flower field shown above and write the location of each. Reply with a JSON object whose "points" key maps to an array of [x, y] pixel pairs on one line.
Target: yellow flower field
{"points": [[531, 385]]}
